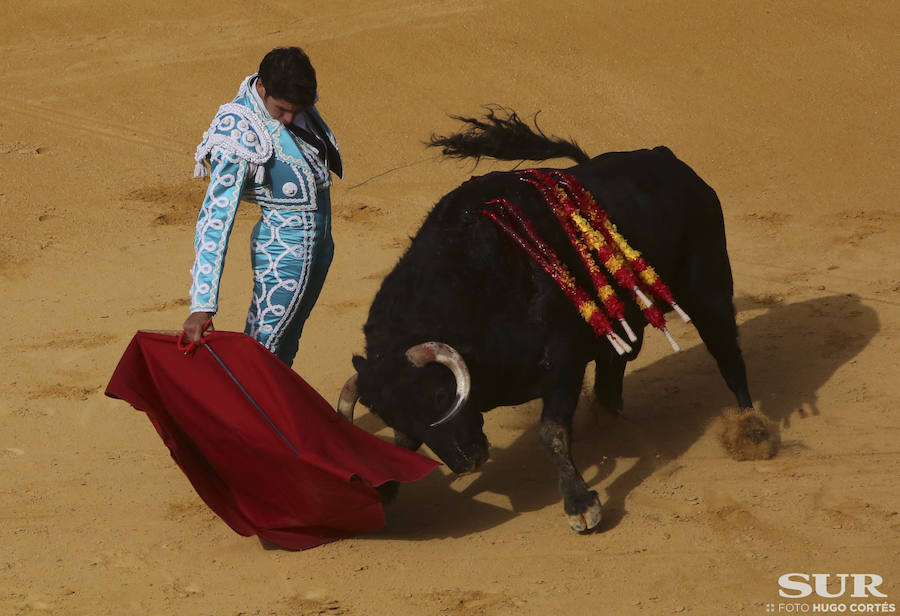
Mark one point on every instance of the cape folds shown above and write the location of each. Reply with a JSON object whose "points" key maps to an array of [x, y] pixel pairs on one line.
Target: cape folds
{"points": [[269, 456]]}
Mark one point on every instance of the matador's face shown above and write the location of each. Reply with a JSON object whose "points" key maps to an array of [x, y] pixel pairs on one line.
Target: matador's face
{"points": [[278, 108]]}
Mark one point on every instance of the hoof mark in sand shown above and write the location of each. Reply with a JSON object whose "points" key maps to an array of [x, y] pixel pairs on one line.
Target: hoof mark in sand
{"points": [[180, 302], [473, 602], [188, 510], [769, 218], [399, 243], [340, 307], [66, 392], [314, 604], [859, 225], [358, 213], [74, 340], [380, 275], [23, 149]]}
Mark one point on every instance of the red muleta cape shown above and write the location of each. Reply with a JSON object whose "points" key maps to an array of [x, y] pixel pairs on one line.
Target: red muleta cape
{"points": [[315, 490]]}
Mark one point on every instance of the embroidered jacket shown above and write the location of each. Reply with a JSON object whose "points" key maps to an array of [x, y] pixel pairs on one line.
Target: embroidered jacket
{"points": [[255, 158]]}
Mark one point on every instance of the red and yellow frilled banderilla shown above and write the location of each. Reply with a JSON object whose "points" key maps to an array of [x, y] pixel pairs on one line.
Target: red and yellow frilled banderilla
{"points": [[597, 242], [513, 222]]}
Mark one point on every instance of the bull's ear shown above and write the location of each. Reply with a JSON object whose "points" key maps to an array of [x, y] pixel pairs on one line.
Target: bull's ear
{"points": [[359, 362]]}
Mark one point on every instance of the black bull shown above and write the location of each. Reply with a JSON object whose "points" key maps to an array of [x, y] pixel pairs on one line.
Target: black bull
{"points": [[506, 324]]}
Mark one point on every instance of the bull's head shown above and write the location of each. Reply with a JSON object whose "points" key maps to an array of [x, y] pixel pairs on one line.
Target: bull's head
{"points": [[422, 401]]}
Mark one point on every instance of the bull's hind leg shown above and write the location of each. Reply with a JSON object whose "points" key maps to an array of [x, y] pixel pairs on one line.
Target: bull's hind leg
{"points": [[560, 395], [609, 376], [746, 433], [714, 320]]}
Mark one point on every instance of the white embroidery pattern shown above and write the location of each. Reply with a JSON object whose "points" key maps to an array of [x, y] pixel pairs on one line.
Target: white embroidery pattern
{"points": [[263, 194], [239, 131], [270, 287], [213, 226]]}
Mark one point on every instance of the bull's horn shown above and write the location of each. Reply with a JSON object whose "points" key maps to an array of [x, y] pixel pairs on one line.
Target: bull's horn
{"points": [[428, 352], [348, 398]]}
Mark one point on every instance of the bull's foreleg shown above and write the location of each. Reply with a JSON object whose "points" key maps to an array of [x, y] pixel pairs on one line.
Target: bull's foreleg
{"points": [[580, 502], [388, 490], [407, 442]]}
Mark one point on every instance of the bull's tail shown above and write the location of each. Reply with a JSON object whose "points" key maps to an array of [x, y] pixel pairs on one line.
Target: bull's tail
{"points": [[505, 137]]}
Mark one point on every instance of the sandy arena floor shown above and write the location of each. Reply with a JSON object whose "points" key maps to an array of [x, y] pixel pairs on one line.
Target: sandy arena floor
{"points": [[787, 109]]}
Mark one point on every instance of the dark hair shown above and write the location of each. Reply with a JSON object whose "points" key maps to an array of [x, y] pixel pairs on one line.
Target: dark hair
{"points": [[287, 73]]}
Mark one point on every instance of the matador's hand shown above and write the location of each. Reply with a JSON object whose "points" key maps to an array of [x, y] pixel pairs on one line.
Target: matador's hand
{"points": [[194, 325]]}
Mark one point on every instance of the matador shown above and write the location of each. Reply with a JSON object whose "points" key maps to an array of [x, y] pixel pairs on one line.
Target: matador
{"points": [[271, 147]]}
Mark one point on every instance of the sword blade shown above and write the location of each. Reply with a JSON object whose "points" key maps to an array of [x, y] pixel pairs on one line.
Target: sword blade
{"points": [[250, 398]]}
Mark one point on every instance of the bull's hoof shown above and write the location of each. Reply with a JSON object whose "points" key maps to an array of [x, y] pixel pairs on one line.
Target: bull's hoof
{"points": [[589, 519], [747, 434]]}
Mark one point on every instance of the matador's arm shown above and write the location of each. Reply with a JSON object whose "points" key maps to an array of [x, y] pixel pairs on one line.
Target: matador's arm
{"points": [[228, 175]]}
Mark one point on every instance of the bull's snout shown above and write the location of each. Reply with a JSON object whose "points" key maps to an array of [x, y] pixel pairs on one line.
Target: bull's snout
{"points": [[476, 463], [463, 462]]}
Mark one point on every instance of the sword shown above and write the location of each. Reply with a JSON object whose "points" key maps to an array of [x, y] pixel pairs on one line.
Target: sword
{"points": [[188, 349], [249, 397]]}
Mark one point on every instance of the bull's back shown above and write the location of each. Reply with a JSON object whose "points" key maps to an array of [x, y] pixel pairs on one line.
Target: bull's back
{"points": [[463, 282], [663, 208]]}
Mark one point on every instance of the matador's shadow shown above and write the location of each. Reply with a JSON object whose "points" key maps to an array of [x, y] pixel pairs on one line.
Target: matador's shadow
{"points": [[791, 350]]}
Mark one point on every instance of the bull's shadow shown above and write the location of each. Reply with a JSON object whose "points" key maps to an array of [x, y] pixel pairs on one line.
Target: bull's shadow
{"points": [[791, 350]]}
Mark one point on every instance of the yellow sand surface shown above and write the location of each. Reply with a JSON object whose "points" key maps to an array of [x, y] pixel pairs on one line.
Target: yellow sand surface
{"points": [[788, 109]]}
